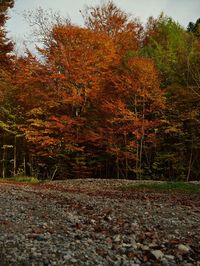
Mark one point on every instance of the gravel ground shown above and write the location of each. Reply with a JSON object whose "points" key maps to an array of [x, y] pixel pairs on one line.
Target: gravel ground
{"points": [[87, 223]]}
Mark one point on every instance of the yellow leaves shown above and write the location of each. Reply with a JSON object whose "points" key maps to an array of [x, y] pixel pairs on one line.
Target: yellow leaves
{"points": [[172, 130], [38, 123], [36, 111], [40, 139]]}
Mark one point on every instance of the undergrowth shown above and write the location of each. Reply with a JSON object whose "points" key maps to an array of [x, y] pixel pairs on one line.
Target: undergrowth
{"points": [[23, 179], [165, 187]]}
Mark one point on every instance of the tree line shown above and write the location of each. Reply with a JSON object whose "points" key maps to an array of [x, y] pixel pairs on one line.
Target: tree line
{"points": [[111, 99]]}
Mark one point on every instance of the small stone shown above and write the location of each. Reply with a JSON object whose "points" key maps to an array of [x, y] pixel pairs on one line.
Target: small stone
{"points": [[33, 249], [45, 262], [153, 245], [179, 257], [137, 261], [44, 225], [73, 260], [125, 245], [183, 248], [164, 262], [131, 263], [67, 257], [133, 243], [134, 225], [144, 247], [40, 238], [158, 254], [117, 238], [169, 257]]}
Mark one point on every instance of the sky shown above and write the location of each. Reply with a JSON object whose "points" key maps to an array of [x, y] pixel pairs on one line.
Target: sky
{"points": [[182, 11]]}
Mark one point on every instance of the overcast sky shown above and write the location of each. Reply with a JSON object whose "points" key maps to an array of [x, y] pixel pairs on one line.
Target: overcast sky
{"points": [[182, 11]]}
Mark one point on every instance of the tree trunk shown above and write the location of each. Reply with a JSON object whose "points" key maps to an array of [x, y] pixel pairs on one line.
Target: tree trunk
{"points": [[117, 163], [141, 140], [15, 157], [126, 159], [190, 162], [24, 164], [137, 149], [4, 162]]}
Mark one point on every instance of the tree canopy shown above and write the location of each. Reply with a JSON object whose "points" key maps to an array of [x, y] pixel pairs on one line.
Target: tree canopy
{"points": [[110, 99]]}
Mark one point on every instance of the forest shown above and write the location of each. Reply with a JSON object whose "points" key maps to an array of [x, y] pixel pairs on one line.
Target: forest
{"points": [[110, 99]]}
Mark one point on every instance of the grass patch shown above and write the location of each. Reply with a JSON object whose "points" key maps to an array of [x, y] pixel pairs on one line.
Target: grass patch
{"points": [[165, 187], [23, 179]]}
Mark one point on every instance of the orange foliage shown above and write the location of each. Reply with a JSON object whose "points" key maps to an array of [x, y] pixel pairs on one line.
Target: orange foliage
{"points": [[109, 19], [84, 98]]}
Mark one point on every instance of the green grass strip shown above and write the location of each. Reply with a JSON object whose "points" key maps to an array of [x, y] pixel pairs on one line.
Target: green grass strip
{"points": [[168, 186]]}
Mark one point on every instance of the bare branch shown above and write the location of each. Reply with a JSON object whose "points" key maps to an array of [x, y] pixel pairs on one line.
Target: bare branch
{"points": [[42, 21]]}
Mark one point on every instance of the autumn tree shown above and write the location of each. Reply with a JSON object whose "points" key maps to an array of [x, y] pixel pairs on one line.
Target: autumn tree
{"points": [[111, 20], [86, 106], [63, 88], [135, 102]]}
